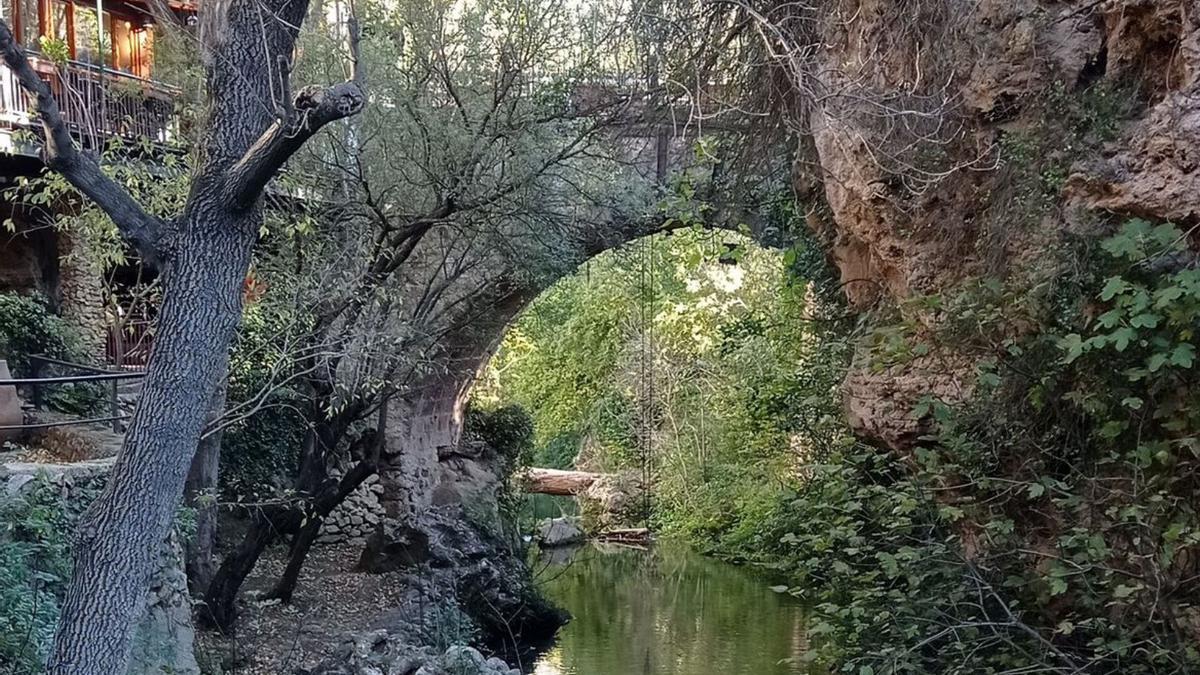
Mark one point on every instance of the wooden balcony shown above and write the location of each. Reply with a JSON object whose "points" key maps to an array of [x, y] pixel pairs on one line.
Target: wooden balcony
{"points": [[97, 103]]}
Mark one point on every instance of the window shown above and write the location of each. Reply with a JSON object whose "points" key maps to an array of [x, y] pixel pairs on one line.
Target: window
{"points": [[86, 35], [92, 45], [30, 26], [58, 14]]}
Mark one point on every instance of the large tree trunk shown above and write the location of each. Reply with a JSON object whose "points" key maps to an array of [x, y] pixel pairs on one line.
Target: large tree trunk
{"points": [[246, 48], [200, 494], [120, 535]]}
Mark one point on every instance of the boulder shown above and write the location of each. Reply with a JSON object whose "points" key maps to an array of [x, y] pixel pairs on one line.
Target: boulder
{"points": [[382, 653], [555, 532], [486, 582]]}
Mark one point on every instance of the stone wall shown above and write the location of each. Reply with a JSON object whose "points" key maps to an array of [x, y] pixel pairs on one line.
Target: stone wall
{"points": [[165, 635], [357, 517], [81, 294]]}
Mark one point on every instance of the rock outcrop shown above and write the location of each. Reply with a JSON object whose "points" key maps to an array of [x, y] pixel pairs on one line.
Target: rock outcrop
{"points": [[462, 576], [914, 153], [379, 653], [556, 532]]}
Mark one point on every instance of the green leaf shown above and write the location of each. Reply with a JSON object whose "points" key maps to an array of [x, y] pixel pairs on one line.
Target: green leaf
{"points": [[1123, 591], [1184, 355], [1121, 338], [1113, 287], [1156, 362], [1144, 320], [1072, 344]]}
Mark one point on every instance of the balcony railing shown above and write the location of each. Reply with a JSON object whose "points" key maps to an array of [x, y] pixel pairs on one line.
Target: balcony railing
{"points": [[98, 104]]}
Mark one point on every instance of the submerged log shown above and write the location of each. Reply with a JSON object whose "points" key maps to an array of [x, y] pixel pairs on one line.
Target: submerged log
{"points": [[558, 482], [630, 536]]}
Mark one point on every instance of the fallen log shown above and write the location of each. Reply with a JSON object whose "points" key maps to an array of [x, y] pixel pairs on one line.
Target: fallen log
{"points": [[557, 482], [630, 536]]}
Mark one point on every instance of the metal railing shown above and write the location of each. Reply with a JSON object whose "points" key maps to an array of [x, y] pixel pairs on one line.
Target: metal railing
{"points": [[39, 362], [97, 103]]}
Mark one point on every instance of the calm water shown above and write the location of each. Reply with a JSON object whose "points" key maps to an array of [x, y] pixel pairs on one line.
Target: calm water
{"points": [[668, 611]]}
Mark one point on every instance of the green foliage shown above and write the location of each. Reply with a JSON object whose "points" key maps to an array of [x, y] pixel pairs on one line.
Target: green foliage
{"points": [[259, 451], [508, 430], [866, 545], [28, 327], [34, 567], [1069, 474], [730, 357]]}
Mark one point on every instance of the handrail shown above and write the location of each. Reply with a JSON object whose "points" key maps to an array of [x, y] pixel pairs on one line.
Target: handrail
{"points": [[64, 423], [77, 366], [69, 379], [117, 74], [95, 375]]}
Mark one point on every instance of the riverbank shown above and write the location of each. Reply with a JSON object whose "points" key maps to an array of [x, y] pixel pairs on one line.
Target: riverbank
{"points": [[416, 592]]}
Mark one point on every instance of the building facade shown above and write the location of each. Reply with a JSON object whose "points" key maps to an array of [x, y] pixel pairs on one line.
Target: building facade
{"points": [[99, 60]]}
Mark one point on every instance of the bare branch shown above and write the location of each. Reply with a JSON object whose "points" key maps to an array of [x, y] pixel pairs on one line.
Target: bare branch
{"points": [[59, 153]]}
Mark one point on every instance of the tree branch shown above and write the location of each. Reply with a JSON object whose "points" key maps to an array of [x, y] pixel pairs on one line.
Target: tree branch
{"points": [[312, 109], [59, 153]]}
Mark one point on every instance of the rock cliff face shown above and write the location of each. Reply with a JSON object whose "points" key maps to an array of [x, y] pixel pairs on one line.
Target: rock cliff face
{"points": [[915, 152]]}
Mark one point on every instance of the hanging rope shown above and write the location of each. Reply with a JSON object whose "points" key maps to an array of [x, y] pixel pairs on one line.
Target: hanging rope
{"points": [[646, 374]]}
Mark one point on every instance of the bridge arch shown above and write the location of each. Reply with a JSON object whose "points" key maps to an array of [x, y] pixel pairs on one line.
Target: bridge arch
{"points": [[427, 425]]}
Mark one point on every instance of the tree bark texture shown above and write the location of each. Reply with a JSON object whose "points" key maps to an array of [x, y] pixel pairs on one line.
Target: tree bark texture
{"points": [[246, 48], [200, 493]]}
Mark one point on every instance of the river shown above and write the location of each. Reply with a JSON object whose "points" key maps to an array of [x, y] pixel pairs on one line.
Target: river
{"points": [[667, 611]]}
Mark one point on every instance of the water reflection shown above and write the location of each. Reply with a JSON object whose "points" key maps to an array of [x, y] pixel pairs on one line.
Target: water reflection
{"points": [[668, 611]]}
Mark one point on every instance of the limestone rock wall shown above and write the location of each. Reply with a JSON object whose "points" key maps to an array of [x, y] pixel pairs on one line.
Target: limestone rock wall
{"points": [[914, 204]]}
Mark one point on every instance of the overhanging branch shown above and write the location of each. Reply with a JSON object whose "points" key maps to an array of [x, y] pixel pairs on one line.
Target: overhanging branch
{"points": [[59, 153], [313, 108]]}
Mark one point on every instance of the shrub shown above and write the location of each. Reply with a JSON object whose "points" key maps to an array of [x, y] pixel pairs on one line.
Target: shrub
{"points": [[34, 567], [28, 327], [506, 429]]}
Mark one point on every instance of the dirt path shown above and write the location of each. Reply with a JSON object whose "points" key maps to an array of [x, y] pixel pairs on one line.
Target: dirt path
{"points": [[330, 601]]}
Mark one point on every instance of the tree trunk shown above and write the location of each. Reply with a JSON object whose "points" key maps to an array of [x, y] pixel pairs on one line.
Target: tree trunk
{"points": [[122, 532], [200, 494], [246, 49], [556, 482], [219, 608], [269, 521], [266, 523]]}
